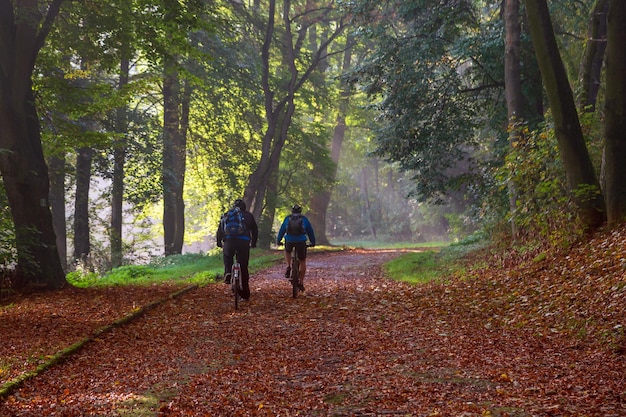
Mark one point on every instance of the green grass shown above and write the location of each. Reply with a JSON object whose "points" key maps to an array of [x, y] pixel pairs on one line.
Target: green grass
{"points": [[434, 261], [436, 264], [188, 269], [416, 267]]}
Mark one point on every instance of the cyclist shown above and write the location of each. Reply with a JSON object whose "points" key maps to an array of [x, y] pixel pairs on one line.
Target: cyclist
{"points": [[238, 243], [295, 229]]}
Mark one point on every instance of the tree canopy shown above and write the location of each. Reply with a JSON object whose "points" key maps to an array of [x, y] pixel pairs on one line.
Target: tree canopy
{"points": [[385, 120]]}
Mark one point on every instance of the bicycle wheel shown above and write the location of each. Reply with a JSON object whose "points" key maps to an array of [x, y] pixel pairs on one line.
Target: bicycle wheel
{"points": [[236, 283], [295, 276]]}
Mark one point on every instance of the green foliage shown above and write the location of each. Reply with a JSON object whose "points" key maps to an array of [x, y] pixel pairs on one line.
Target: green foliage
{"points": [[82, 279], [425, 121], [543, 207]]}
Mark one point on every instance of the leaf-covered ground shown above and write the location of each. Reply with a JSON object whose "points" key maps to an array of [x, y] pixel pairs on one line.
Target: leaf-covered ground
{"points": [[541, 336]]}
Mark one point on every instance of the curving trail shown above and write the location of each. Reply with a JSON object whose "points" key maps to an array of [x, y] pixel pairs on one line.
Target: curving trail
{"points": [[355, 344]]}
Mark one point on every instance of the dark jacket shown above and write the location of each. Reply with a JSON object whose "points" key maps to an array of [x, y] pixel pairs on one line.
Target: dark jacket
{"points": [[252, 231]]}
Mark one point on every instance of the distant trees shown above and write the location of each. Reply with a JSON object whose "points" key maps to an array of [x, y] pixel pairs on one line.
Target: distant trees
{"points": [[429, 70], [192, 104], [288, 60]]}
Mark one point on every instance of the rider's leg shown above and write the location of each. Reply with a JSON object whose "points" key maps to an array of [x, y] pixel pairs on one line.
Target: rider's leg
{"points": [[302, 270], [288, 259], [243, 256], [229, 253], [301, 248]]}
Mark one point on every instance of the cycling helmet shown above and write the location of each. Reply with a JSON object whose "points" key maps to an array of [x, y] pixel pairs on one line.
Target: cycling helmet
{"points": [[240, 203], [296, 209]]}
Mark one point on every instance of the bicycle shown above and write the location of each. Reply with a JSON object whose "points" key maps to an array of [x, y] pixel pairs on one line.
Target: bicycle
{"points": [[235, 282], [294, 276]]}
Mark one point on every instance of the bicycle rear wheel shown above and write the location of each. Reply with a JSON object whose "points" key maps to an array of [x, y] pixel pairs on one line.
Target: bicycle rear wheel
{"points": [[295, 276], [236, 283]]}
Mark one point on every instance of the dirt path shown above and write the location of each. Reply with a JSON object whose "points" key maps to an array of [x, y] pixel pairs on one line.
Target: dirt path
{"points": [[354, 344]]}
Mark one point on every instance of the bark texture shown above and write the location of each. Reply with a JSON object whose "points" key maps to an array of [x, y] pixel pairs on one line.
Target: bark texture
{"points": [[24, 171], [615, 110], [581, 178]]}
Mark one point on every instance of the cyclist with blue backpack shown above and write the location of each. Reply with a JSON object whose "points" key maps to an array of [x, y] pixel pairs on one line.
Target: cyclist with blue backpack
{"points": [[295, 229], [236, 234]]}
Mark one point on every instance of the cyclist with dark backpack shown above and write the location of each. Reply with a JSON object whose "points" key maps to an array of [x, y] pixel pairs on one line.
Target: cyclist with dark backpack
{"points": [[295, 229], [236, 234]]}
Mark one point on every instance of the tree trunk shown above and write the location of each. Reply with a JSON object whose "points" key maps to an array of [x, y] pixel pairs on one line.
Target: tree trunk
{"points": [[82, 244], [119, 160], [23, 31], [582, 182], [26, 182], [513, 89], [615, 111], [591, 67], [366, 213], [57, 204], [266, 220], [174, 145], [279, 112], [321, 200], [174, 154], [172, 184]]}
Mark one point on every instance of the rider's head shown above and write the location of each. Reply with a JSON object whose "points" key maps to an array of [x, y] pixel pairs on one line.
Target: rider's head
{"points": [[240, 203], [296, 209]]}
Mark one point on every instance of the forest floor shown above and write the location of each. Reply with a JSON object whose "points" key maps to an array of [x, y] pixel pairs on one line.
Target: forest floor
{"points": [[522, 335]]}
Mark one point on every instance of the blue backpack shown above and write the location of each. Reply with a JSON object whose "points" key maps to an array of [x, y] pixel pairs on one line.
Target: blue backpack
{"points": [[233, 223]]}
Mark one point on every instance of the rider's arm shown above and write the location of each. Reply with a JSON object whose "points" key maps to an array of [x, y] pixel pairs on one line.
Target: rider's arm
{"points": [[281, 232], [253, 229], [309, 231], [219, 235]]}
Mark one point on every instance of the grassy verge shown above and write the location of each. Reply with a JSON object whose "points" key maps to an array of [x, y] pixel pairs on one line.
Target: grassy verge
{"points": [[198, 269], [434, 261], [431, 265]]}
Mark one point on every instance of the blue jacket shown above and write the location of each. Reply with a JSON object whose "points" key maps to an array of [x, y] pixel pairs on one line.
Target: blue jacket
{"points": [[308, 231]]}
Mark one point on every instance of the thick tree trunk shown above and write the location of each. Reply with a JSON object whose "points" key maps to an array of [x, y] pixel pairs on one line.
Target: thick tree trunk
{"points": [[57, 205], [23, 31], [581, 178], [174, 154], [82, 244], [174, 146], [615, 111], [26, 182]]}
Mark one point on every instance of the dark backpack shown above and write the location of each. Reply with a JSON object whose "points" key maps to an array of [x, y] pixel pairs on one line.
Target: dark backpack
{"points": [[294, 225], [233, 222]]}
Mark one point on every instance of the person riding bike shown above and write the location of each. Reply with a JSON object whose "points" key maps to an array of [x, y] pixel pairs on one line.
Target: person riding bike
{"points": [[295, 229], [237, 242]]}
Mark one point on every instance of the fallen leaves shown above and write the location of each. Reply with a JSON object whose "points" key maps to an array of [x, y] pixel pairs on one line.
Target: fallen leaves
{"points": [[502, 342]]}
